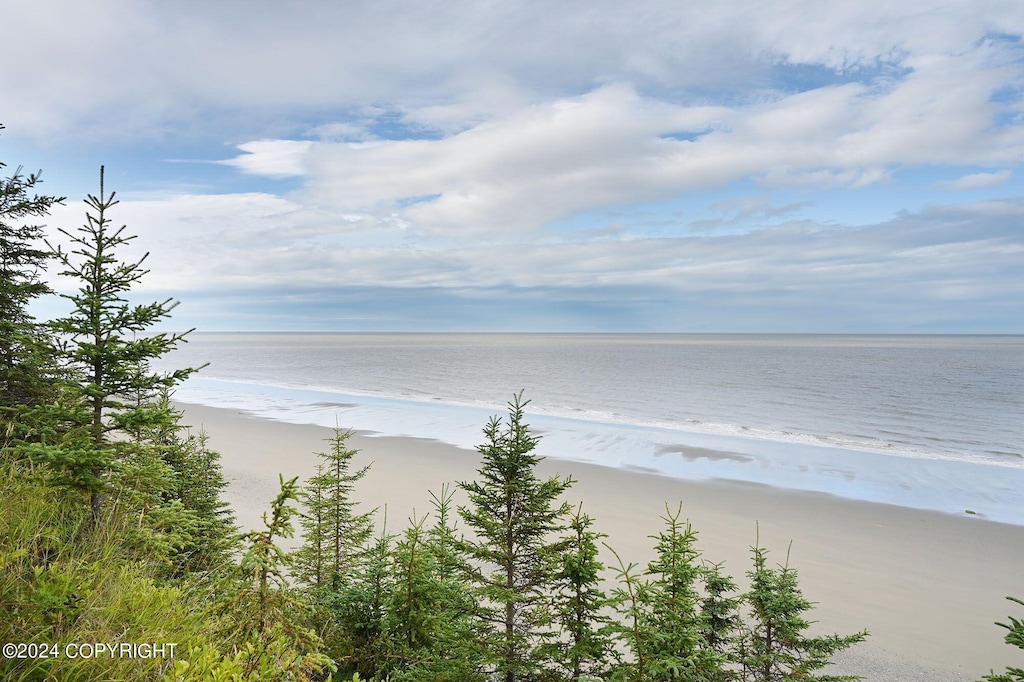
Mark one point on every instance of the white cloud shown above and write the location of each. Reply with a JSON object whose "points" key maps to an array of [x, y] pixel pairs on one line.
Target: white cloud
{"points": [[612, 146], [271, 158], [129, 68], [257, 241], [436, 144], [978, 180]]}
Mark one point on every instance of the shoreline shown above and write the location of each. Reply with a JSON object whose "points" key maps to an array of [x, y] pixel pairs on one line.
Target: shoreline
{"points": [[948, 485], [928, 585]]}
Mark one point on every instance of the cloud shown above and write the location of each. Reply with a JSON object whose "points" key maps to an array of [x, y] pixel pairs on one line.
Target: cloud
{"points": [[123, 68], [540, 163], [613, 146], [447, 148], [977, 180], [743, 212], [271, 158], [935, 269]]}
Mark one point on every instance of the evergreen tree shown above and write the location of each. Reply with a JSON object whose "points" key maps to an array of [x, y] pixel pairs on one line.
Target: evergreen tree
{"points": [[1014, 637], [197, 482], [430, 617], [773, 647], [412, 609], [263, 567], [141, 488], [584, 648], [268, 620], [443, 543], [513, 515], [677, 651], [24, 361], [110, 342], [333, 533], [357, 603], [720, 618], [629, 598], [668, 624]]}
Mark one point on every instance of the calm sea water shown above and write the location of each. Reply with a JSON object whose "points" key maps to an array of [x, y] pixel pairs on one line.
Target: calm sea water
{"points": [[932, 422]]}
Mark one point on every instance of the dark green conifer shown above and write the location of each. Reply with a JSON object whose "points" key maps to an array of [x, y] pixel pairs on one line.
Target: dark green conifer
{"points": [[110, 342], [774, 646], [431, 615], [629, 598], [198, 483], [515, 518], [584, 648], [720, 618], [1014, 637], [25, 364], [267, 619], [358, 603], [678, 650], [412, 610], [668, 629], [333, 533]]}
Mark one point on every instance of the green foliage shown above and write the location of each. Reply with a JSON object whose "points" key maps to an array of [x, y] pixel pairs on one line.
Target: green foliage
{"points": [[345, 579], [253, 661], [36, 524], [411, 609], [430, 615], [1014, 637], [678, 649], [358, 605], [264, 565], [719, 616], [109, 342], [264, 617], [667, 621], [25, 363], [333, 533], [184, 482], [62, 581], [584, 648], [198, 484], [773, 646], [513, 515], [628, 597]]}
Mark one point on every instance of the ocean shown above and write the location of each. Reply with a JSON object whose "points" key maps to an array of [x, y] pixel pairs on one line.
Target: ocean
{"points": [[928, 422]]}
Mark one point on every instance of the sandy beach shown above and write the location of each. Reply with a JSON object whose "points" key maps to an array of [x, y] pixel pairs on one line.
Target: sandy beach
{"points": [[928, 586]]}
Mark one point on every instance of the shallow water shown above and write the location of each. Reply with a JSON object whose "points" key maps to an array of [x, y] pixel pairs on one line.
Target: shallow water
{"points": [[930, 422]]}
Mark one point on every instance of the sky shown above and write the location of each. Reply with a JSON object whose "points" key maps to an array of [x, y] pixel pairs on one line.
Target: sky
{"points": [[650, 166]]}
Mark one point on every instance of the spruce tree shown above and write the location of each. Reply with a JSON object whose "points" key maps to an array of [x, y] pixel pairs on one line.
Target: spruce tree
{"points": [[23, 354], [720, 618], [411, 610], [1014, 637], [197, 483], [444, 545], [629, 597], [110, 342], [668, 627], [774, 646], [263, 567], [680, 649], [430, 620], [266, 619], [333, 533], [584, 648], [515, 518], [358, 603]]}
